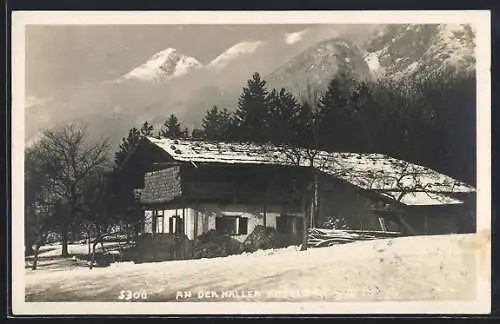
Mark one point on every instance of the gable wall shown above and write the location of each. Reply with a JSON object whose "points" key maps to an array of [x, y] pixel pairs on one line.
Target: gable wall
{"points": [[338, 199]]}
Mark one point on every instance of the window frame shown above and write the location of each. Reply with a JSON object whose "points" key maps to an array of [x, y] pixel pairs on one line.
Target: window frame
{"points": [[238, 219], [173, 223], [158, 217]]}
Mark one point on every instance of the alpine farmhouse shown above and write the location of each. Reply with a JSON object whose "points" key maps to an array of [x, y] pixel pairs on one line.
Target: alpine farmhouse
{"points": [[189, 187]]}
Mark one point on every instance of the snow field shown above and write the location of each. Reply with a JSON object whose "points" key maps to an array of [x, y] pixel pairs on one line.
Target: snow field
{"points": [[410, 268]]}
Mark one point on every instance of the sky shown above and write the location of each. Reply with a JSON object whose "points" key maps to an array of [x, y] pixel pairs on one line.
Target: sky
{"points": [[64, 56], [69, 67]]}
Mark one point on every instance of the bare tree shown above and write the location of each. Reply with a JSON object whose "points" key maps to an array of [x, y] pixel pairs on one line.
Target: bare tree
{"points": [[40, 201], [73, 160], [98, 222], [409, 179]]}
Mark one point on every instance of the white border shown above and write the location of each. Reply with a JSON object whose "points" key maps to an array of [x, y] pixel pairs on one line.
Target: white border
{"points": [[481, 21]]}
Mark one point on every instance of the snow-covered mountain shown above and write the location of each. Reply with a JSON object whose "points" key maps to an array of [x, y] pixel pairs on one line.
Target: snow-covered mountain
{"points": [[170, 63], [318, 65], [395, 51], [233, 53], [163, 66], [294, 60]]}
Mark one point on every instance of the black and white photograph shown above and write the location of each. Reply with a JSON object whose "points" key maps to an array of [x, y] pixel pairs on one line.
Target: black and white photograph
{"points": [[258, 162]]}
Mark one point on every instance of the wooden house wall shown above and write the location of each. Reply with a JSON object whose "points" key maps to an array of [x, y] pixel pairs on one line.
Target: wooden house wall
{"points": [[201, 218], [431, 220], [243, 184], [256, 215], [338, 199], [209, 190], [143, 160], [356, 207]]}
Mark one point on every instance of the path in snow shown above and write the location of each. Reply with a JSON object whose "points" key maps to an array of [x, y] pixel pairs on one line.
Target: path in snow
{"points": [[410, 268]]}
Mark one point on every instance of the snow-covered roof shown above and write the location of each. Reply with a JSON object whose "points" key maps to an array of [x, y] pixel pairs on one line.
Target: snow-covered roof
{"points": [[377, 172], [423, 198]]}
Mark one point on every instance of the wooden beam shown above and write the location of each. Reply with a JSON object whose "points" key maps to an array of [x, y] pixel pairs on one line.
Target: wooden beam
{"points": [[153, 221], [264, 212], [183, 216], [304, 221], [195, 232], [161, 164], [383, 226]]}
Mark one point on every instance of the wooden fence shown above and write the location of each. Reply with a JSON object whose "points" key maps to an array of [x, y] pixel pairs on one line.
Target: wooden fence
{"points": [[162, 247]]}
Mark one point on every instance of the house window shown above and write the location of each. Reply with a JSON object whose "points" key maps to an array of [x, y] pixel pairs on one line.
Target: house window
{"points": [[148, 221], [288, 224], [175, 225], [232, 225], [157, 222]]}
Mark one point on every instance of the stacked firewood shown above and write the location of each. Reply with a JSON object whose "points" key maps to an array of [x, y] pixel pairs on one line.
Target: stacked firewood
{"points": [[319, 237]]}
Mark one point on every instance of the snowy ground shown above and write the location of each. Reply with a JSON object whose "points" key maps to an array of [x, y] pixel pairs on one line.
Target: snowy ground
{"points": [[411, 268], [50, 256]]}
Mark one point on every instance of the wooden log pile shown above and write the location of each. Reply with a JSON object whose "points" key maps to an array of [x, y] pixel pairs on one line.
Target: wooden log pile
{"points": [[320, 237]]}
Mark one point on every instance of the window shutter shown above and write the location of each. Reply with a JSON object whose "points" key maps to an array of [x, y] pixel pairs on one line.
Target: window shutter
{"points": [[153, 225], [243, 225], [179, 228], [171, 225]]}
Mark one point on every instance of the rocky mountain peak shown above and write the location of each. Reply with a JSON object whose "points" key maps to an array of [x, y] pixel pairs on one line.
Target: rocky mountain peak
{"points": [[163, 66]]}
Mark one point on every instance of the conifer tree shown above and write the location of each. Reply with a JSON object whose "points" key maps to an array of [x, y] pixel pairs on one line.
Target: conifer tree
{"points": [[216, 124], [283, 117], [146, 129], [172, 128], [252, 110], [335, 111], [128, 143]]}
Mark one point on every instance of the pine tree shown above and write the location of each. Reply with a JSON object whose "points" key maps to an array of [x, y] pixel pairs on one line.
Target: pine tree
{"points": [[122, 198], [128, 143], [335, 111], [252, 110], [366, 125], [198, 134], [304, 132], [216, 124], [132, 139], [283, 117], [146, 129], [172, 128], [185, 133]]}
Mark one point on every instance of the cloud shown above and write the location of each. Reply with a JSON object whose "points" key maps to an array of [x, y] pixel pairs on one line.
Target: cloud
{"points": [[235, 51], [33, 101], [292, 38]]}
